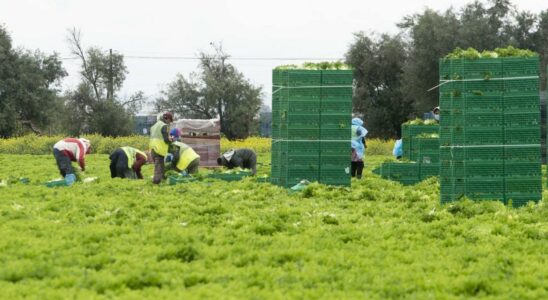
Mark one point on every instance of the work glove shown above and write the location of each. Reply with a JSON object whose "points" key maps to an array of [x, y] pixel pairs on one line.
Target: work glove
{"points": [[70, 179]]}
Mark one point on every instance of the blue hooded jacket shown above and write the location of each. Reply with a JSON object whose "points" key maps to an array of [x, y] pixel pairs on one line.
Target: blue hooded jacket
{"points": [[358, 133]]}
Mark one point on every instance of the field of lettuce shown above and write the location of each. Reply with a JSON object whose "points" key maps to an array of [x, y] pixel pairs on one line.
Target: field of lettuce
{"points": [[213, 239]]}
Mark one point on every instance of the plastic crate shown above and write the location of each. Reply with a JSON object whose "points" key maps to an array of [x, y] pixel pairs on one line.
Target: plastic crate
{"points": [[311, 120], [521, 85], [481, 86], [521, 199], [335, 148], [483, 119], [483, 168], [523, 153], [336, 161], [485, 185], [335, 107], [301, 133], [522, 135], [483, 102], [345, 120], [337, 77], [516, 67], [522, 168], [335, 134], [303, 107], [483, 68], [522, 119], [529, 100], [429, 170], [523, 184]]}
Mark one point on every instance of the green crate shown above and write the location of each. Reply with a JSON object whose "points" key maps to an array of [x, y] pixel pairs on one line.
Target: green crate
{"points": [[311, 120], [345, 120], [335, 148], [484, 185], [429, 170], [522, 135], [304, 77], [521, 85], [521, 199], [523, 184], [483, 68], [481, 86], [483, 102], [521, 153], [398, 170], [525, 100], [337, 77], [483, 119], [335, 107], [522, 168], [484, 168], [335, 134], [335, 176], [301, 133], [330, 161], [517, 67], [515, 118]]}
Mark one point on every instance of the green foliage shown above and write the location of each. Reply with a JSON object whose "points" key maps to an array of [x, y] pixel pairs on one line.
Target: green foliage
{"points": [[378, 66], [217, 89], [208, 239], [324, 65], [28, 87], [472, 53], [33, 144]]}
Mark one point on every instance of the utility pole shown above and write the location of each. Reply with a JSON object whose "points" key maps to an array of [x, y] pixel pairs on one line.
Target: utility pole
{"points": [[110, 92]]}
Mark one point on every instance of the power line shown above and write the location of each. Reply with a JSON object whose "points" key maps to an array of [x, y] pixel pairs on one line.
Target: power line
{"points": [[230, 58]]}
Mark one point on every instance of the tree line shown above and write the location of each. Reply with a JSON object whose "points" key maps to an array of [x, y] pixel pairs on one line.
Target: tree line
{"points": [[392, 72]]}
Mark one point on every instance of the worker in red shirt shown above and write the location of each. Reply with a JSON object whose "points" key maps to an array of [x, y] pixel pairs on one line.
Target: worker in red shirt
{"points": [[68, 150], [126, 162]]}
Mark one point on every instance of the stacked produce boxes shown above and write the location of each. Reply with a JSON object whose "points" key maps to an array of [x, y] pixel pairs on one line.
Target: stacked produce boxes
{"points": [[421, 147], [311, 122], [490, 129]]}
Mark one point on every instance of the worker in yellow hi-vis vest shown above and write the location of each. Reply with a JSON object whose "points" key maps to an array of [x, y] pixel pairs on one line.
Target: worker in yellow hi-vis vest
{"points": [[159, 145], [183, 158], [126, 162]]}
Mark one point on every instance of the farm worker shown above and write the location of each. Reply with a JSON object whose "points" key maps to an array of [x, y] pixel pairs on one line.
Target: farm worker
{"points": [[183, 158], [175, 134], [126, 162], [358, 147], [159, 144], [67, 150], [243, 158], [398, 149], [436, 113]]}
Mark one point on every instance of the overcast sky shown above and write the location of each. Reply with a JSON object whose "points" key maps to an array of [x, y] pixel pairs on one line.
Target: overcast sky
{"points": [[267, 30]]}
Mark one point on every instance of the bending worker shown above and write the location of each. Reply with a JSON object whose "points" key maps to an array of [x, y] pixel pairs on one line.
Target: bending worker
{"points": [[126, 162], [240, 158], [183, 158], [159, 145], [68, 150]]}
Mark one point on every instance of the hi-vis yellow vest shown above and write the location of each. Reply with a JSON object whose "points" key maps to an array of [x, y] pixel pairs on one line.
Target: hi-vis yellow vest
{"points": [[130, 153], [186, 155], [157, 140]]}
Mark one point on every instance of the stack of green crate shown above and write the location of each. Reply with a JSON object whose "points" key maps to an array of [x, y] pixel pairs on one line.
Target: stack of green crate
{"points": [[409, 131], [426, 151], [311, 121], [490, 129]]}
